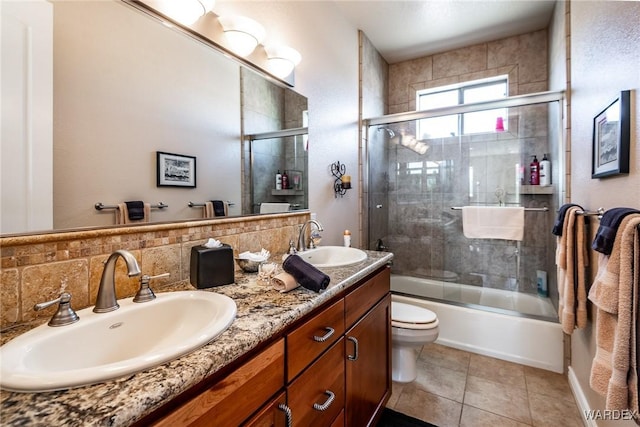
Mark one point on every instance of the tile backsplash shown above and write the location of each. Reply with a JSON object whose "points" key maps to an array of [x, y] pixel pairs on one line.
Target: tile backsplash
{"points": [[37, 268]]}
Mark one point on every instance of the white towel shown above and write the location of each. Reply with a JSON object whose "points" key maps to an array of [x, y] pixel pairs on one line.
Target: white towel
{"points": [[489, 222], [266, 208]]}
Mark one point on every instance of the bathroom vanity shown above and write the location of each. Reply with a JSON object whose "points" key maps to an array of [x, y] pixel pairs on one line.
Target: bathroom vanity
{"points": [[317, 359]]}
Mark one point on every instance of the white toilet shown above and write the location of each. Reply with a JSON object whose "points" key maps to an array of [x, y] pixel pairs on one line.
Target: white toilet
{"points": [[411, 328]]}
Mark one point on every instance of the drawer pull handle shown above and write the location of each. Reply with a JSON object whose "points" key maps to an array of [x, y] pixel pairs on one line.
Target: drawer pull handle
{"points": [[331, 397], [355, 349], [287, 413], [326, 336]]}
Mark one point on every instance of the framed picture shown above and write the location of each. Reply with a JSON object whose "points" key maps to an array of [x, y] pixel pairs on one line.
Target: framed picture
{"points": [[611, 134], [175, 170]]}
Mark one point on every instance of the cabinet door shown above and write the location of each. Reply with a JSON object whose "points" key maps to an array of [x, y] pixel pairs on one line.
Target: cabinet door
{"points": [[368, 365], [316, 397], [271, 415]]}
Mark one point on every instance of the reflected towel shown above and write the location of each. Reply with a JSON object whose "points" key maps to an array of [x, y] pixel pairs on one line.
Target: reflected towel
{"points": [[493, 222], [215, 208], [266, 208], [305, 274], [124, 215], [284, 282]]}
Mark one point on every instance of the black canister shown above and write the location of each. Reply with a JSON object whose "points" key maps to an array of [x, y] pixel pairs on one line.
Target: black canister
{"points": [[211, 266]]}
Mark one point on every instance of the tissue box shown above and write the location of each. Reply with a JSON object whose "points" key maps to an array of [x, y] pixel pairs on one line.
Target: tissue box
{"points": [[211, 266]]}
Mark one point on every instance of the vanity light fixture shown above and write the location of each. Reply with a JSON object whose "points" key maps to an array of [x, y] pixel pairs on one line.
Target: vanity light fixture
{"points": [[243, 34], [282, 60], [187, 11]]}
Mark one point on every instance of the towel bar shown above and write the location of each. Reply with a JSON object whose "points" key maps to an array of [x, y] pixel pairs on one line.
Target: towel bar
{"points": [[201, 205], [545, 209], [99, 206], [598, 214]]}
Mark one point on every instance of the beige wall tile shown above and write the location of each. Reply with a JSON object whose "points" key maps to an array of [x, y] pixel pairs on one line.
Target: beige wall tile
{"points": [[9, 309]]}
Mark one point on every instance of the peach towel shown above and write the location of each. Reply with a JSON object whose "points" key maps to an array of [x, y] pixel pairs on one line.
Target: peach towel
{"points": [[208, 211], [284, 282], [122, 214], [615, 294], [572, 260]]}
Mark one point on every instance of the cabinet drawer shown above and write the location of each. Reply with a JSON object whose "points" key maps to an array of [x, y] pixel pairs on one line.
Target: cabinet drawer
{"points": [[313, 386], [271, 415], [309, 340], [358, 302], [234, 398]]}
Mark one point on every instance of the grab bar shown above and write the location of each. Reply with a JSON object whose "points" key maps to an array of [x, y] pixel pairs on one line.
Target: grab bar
{"points": [[598, 213], [544, 209], [99, 206]]}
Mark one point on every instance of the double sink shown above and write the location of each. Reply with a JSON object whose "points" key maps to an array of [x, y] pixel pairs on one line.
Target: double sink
{"points": [[104, 346]]}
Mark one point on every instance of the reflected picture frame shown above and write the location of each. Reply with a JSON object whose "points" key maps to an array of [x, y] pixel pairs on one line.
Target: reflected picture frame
{"points": [[611, 138], [175, 170]]}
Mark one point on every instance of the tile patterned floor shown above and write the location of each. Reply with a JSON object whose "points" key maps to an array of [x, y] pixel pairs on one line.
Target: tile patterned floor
{"points": [[457, 388]]}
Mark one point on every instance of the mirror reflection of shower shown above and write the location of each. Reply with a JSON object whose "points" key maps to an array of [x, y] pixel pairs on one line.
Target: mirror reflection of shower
{"points": [[404, 139]]}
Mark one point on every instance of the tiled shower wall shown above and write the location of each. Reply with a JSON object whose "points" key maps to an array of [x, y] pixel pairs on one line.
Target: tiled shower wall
{"points": [[38, 268], [424, 233]]}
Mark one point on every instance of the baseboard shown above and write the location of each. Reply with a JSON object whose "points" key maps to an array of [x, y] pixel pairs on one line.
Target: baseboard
{"points": [[581, 399]]}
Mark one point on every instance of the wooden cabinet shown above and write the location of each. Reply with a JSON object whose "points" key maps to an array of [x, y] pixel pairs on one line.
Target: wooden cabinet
{"points": [[332, 368], [236, 397], [316, 397], [367, 366]]}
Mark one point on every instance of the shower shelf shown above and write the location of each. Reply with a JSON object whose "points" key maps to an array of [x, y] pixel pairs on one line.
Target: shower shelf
{"points": [[536, 189], [288, 192]]}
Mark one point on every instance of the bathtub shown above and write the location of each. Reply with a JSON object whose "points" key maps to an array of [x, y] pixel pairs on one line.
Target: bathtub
{"points": [[497, 331]]}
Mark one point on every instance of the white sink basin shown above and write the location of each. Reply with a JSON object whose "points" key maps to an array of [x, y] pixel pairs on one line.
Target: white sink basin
{"points": [[104, 346], [333, 256]]}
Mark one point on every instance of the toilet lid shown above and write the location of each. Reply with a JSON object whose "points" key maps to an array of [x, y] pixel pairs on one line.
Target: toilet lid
{"points": [[408, 313]]}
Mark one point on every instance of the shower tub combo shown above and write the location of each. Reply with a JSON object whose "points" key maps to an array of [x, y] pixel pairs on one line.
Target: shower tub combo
{"points": [[493, 322]]}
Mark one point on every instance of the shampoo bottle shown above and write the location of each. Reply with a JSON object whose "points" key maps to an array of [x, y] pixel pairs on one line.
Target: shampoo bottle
{"points": [[285, 180], [541, 277], [545, 171], [534, 168], [278, 180]]}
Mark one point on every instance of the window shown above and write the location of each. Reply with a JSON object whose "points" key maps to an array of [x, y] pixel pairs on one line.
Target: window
{"points": [[467, 123]]}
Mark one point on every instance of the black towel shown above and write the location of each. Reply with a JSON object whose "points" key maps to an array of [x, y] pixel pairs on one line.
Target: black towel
{"points": [[135, 210], [218, 207], [306, 274], [562, 212], [609, 223]]}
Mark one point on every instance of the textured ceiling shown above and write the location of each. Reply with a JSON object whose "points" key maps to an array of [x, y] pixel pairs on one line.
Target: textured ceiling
{"points": [[403, 30]]}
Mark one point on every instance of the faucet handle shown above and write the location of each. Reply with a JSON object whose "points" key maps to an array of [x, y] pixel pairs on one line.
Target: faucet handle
{"points": [[65, 314], [145, 293]]}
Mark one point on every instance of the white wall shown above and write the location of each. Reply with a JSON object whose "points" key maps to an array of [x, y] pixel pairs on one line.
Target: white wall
{"points": [[605, 59], [328, 76]]}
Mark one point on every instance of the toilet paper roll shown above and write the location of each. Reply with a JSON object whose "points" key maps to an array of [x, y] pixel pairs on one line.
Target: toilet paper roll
{"points": [[284, 282]]}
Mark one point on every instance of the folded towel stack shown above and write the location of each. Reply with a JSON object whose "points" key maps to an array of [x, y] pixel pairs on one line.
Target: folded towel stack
{"points": [[572, 260], [614, 370], [305, 274], [562, 212]]}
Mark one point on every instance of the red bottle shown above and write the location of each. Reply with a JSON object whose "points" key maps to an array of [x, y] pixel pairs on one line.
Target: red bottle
{"points": [[285, 180], [534, 168]]}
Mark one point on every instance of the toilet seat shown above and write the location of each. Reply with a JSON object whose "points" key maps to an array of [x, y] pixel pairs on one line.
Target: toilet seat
{"points": [[408, 316]]}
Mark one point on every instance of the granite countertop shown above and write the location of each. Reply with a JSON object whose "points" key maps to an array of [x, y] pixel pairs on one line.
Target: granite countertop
{"points": [[262, 312]]}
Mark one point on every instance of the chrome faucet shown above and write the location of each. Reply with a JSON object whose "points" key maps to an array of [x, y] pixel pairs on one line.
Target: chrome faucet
{"points": [[301, 237], [106, 300]]}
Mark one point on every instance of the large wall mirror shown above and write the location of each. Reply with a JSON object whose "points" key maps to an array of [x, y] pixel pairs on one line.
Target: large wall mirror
{"points": [[120, 95]]}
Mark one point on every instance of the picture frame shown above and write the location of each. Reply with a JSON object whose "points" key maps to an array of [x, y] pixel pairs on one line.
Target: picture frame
{"points": [[175, 170], [611, 138]]}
